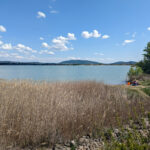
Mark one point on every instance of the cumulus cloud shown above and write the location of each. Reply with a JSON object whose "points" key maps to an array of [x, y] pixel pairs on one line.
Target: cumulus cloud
{"points": [[45, 45], [94, 34], [6, 46], [40, 15], [148, 28], [86, 34], [46, 52], [71, 36], [105, 36], [19, 57], [1, 42], [24, 49], [10, 55], [60, 43], [4, 54], [19, 47], [2, 29], [128, 41]]}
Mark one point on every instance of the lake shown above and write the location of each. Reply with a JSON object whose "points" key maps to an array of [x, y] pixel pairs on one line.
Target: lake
{"points": [[106, 74]]}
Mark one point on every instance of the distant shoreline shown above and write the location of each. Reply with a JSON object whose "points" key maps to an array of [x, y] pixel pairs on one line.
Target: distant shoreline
{"points": [[67, 63], [64, 65]]}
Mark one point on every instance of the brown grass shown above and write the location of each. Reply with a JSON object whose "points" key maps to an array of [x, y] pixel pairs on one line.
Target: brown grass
{"points": [[36, 112]]}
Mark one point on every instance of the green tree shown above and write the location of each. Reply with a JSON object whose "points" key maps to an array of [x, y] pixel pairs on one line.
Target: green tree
{"points": [[145, 64], [135, 73], [147, 50]]}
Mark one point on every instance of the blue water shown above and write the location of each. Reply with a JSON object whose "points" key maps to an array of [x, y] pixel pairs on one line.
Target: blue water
{"points": [[106, 74]]}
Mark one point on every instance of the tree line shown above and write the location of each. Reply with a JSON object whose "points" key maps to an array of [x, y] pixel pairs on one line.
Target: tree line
{"points": [[141, 67]]}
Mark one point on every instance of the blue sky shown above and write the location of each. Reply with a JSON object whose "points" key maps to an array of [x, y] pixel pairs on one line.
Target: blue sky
{"points": [[57, 30]]}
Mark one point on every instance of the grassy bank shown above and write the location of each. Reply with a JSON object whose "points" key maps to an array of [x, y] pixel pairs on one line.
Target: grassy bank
{"points": [[32, 113]]}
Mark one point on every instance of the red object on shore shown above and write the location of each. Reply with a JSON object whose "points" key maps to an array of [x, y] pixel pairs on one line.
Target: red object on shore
{"points": [[128, 83]]}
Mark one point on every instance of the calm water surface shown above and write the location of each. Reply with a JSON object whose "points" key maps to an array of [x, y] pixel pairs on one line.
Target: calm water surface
{"points": [[106, 74]]}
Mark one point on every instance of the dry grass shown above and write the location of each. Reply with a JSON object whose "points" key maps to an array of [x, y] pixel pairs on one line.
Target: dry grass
{"points": [[36, 112]]}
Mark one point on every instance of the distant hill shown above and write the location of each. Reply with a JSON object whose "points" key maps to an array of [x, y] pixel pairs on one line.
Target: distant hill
{"points": [[24, 63], [79, 62], [68, 62], [124, 63]]}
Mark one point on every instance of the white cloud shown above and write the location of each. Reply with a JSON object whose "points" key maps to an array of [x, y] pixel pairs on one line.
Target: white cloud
{"points": [[86, 34], [6, 46], [128, 41], [46, 52], [40, 15], [41, 38], [105, 36], [19, 57], [1, 42], [148, 28], [32, 57], [94, 34], [71, 36], [10, 55], [4, 54], [45, 45], [2, 29], [19, 47], [24, 49], [60, 43], [54, 12]]}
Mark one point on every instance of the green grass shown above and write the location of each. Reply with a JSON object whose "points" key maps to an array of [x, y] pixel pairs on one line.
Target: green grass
{"points": [[145, 83], [132, 93], [132, 139], [146, 91]]}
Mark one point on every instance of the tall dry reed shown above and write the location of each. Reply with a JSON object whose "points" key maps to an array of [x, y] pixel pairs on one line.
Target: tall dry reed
{"points": [[36, 112]]}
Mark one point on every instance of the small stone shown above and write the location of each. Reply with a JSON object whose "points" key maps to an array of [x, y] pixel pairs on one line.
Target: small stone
{"points": [[116, 131]]}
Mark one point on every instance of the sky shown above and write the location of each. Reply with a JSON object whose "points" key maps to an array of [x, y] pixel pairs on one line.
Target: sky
{"points": [[55, 30]]}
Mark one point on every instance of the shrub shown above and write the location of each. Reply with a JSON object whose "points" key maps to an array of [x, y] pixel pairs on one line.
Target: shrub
{"points": [[135, 73]]}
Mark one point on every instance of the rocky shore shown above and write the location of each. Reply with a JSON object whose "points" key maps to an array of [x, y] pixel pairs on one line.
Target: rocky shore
{"points": [[134, 136]]}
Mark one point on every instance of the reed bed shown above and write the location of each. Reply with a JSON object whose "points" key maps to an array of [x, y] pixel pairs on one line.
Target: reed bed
{"points": [[35, 112]]}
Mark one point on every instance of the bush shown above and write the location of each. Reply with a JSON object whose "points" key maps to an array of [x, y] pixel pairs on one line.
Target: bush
{"points": [[135, 73]]}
